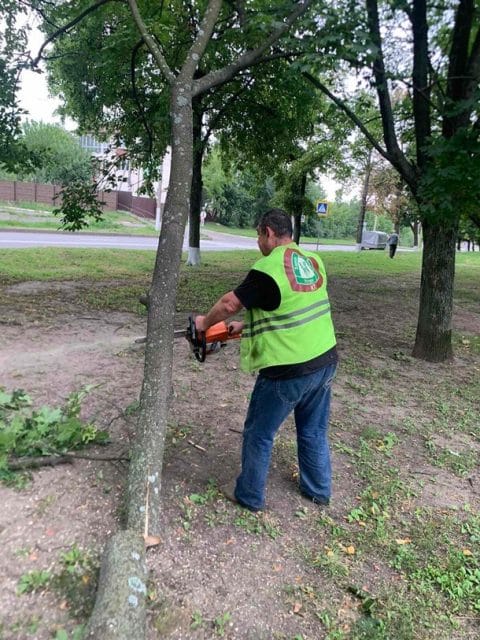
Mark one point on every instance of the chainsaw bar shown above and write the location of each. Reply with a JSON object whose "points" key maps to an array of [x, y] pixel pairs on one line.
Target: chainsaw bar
{"points": [[181, 333]]}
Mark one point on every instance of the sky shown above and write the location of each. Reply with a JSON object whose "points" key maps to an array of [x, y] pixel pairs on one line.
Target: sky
{"points": [[35, 99], [34, 96]]}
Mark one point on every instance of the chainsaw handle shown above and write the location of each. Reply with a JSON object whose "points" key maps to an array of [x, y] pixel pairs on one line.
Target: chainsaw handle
{"points": [[235, 328], [215, 335], [201, 351], [197, 340]]}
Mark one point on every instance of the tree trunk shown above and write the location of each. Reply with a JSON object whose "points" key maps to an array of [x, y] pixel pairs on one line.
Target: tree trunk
{"points": [[120, 611], [297, 224], [120, 607], [196, 192], [433, 341], [415, 228], [363, 201], [298, 198], [147, 455]]}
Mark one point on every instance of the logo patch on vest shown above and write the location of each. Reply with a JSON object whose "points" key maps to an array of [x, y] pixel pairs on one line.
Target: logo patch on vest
{"points": [[302, 272]]}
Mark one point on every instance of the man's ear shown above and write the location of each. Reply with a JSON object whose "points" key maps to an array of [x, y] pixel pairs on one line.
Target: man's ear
{"points": [[269, 232]]}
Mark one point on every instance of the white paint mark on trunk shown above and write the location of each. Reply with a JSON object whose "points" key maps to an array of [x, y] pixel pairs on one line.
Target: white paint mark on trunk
{"points": [[137, 585]]}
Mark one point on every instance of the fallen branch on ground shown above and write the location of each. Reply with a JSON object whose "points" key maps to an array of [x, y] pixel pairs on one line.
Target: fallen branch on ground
{"points": [[38, 461], [34, 462]]}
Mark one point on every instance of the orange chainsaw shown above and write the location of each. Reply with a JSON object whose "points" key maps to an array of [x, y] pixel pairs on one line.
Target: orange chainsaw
{"points": [[204, 343]]}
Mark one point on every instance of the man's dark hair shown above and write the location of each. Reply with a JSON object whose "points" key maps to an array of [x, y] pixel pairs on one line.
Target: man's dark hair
{"points": [[278, 220]]}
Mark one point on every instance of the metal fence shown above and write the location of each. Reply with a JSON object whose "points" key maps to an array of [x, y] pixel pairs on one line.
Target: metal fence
{"points": [[140, 206], [15, 191]]}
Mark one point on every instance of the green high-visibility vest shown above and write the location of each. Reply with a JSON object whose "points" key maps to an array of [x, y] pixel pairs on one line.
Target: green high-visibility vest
{"points": [[301, 328]]}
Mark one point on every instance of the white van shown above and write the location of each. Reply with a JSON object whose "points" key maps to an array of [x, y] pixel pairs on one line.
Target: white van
{"points": [[374, 240]]}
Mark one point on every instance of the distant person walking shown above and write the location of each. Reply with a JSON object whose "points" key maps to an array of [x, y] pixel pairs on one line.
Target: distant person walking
{"points": [[392, 243]]}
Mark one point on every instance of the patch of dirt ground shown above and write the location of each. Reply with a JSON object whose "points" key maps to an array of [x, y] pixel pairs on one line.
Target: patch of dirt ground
{"points": [[219, 571]]}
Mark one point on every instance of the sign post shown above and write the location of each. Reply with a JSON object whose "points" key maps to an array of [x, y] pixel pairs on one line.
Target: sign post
{"points": [[322, 212]]}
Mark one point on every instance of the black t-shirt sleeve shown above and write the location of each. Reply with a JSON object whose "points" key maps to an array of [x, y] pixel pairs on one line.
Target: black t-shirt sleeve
{"points": [[258, 290]]}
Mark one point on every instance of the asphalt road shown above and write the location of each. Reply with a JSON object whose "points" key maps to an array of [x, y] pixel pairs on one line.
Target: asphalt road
{"points": [[209, 241]]}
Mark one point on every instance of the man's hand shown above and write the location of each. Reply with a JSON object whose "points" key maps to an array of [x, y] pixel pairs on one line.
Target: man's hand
{"points": [[235, 327], [200, 324]]}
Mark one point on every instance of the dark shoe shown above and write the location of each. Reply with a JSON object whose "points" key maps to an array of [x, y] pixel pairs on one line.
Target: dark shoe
{"points": [[324, 502], [228, 491]]}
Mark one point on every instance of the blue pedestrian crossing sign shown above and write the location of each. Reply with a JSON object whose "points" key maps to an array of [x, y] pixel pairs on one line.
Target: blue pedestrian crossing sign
{"points": [[322, 209]]}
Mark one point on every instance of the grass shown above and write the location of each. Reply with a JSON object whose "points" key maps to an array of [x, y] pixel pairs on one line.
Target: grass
{"points": [[29, 206], [431, 554], [98, 264], [220, 271], [74, 580], [118, 278], [35, 215], [77, 264]]}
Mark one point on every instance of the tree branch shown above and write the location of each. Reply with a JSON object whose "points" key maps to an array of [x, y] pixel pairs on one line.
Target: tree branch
{"points": [[20, 464], [221, 76], [66, 27], [203, 36], [457, 69], [353, 117], [34, 462], [397, 157], [473, 66], [151, 43], [40, 12], [459, 50], [212, 124]]}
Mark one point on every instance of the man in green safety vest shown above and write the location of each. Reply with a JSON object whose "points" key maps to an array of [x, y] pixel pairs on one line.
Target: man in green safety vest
{"points": [[288, 338]]}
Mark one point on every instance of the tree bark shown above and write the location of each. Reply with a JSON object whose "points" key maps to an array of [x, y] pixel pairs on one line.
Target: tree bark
{"points": [[196, 191], [298, 198], [433, 341], [363, 201], [415, 228], [120, 611], [144, 484]]}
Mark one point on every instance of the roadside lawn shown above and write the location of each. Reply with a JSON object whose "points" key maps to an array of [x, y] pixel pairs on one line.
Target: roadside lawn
{"points": [[34, 215]]}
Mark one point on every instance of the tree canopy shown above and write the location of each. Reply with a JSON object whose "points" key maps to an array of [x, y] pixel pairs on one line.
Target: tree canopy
{"points": [[13, 57], [58, 155], [430, 130]]}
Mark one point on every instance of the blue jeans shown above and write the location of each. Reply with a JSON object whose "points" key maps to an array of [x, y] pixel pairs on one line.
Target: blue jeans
{"points": [[271, 402]]}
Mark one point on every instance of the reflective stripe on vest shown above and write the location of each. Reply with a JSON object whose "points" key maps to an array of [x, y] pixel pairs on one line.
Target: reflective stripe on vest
{"points": [[251, 330]]}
